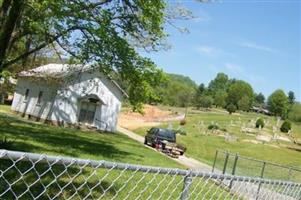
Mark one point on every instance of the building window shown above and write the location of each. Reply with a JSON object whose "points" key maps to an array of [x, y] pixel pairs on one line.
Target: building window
{"points": [[26, 95], [40, 98]]}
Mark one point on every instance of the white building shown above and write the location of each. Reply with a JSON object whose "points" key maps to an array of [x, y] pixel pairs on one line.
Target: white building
{"points": [[69, 95]]}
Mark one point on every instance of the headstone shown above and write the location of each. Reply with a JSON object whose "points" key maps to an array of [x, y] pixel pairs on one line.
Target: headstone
{"points": [[278, 121], [170, 126], [274, 129]]}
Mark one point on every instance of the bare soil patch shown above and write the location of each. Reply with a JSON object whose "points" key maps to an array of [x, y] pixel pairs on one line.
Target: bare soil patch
{"points": [[153, 116]]}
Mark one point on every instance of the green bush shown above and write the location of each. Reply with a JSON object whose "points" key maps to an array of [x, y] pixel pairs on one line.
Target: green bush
{"points": [[286, 126], [259, 123], [183, 122], [231, 108], [213, 127]]}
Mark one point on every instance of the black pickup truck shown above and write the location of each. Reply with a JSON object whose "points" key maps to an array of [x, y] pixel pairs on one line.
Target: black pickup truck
{"points": [[163, 139]]}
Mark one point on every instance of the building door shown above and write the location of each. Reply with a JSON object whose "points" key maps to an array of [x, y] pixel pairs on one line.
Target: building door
{"points": [[87, 112]]}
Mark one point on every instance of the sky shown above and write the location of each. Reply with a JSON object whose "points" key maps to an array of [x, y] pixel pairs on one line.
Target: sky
{"points": [[256, 41]]}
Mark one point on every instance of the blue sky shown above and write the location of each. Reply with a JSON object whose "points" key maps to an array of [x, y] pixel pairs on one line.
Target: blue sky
{"points": [[256, 41]]}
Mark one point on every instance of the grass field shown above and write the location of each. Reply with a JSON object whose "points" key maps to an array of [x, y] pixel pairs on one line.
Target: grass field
{"points": [[118, 184], [41, 138], [203, 147]]}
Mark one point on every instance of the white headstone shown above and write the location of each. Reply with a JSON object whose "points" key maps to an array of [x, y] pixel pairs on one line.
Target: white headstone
{"points": [[278, 121]]}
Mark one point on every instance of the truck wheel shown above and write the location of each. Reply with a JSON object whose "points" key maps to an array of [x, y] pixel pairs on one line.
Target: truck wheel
{"points": [[145, 141], [181, 153]]}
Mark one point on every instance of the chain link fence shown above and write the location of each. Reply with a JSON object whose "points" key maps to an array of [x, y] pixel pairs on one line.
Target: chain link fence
{"points": [[36, 176], [234, 164]]}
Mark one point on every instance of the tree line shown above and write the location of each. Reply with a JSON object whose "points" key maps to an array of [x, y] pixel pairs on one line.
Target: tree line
{"points": [[227, 93]]}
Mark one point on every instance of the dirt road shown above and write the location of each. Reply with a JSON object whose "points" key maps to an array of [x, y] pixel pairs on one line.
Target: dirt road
{"points": [[183, 160]]}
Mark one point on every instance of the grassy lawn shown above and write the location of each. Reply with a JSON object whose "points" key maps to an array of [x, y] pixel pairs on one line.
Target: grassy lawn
{"points": [[41, 138], [115, 184], [203, 147]]}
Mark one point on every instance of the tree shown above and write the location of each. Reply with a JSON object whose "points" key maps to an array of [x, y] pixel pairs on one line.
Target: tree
{"points": [[200, 91], [206, 101], [278, 103], [103, 33], [220, 98], [259, 99], [219, 83], [231, 108], [237, 91], [291, 97], [295, 112], [244, 103], [177, 90]]}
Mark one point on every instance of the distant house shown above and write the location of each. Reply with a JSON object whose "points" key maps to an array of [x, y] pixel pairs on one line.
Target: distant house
{"points": [[69, 95], [260, 110]]}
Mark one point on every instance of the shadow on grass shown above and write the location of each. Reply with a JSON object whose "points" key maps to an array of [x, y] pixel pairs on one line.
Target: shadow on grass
{"points": [[58, 140], [26, 180]]}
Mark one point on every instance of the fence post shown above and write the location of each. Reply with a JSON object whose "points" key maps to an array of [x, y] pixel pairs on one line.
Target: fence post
{"points": [[226, 162], [214, 162], [234, 168], [261, 176], [187, 182]]}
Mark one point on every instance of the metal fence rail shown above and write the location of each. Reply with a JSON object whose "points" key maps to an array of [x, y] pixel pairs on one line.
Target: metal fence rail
{"points": [[36, 176], [234, 164]]}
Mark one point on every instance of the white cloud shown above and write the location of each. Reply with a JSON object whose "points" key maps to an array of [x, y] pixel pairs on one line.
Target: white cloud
{"points": [[240, 72], [260, 47], [207, 50]]}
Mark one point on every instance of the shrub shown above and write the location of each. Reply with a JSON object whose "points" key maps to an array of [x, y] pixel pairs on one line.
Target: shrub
{"points": [[286, 126], [259, 123], [231, 108], [223, 129], [183, 122], [213, 127]]}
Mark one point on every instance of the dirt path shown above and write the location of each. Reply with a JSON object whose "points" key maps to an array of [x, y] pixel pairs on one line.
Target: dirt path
{"points": [[183, 160]]}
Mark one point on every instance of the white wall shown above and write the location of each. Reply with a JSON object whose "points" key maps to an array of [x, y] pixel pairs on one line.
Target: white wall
{"points": [[61, 104], [30, 105], [67, 103]]}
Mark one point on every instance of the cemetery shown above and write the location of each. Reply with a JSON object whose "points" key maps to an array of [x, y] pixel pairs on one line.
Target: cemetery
{"points": [[204, 132]]}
